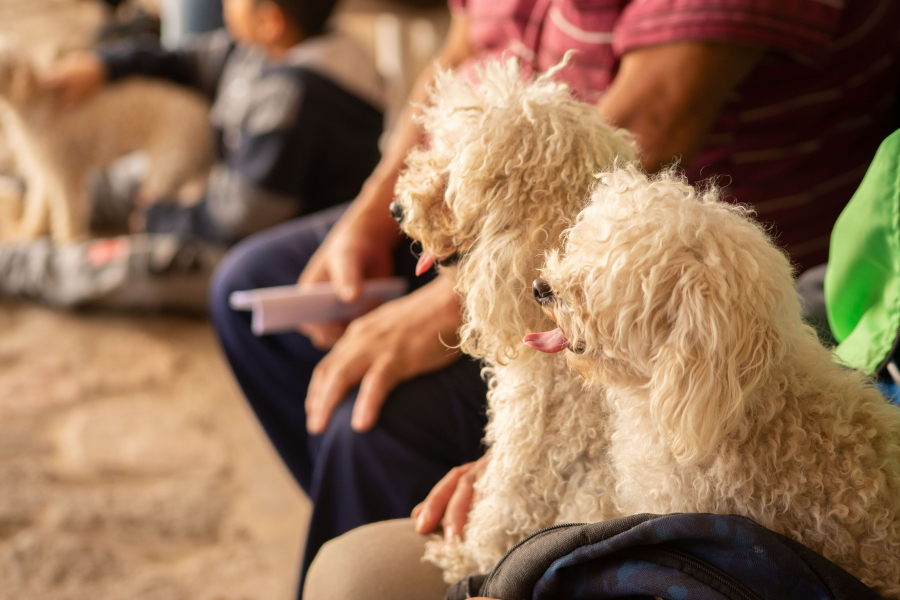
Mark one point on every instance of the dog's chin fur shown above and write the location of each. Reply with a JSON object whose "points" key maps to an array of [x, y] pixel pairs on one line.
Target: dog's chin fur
{"points": [[507, 167], [720, 399]]}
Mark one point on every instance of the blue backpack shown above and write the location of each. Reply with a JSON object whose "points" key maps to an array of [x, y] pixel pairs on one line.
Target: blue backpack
{"points": [[671, 557]]}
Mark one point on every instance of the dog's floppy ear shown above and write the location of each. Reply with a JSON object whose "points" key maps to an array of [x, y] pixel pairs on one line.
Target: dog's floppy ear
{"points": [[495, 275], [716, 352]]}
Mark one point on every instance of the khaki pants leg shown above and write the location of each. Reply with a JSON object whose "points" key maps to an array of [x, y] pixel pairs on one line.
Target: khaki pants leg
{"points": [[381, 561]]}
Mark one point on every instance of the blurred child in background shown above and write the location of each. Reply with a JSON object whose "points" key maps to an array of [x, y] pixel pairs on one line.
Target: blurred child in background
{"points": [[296, 115]]}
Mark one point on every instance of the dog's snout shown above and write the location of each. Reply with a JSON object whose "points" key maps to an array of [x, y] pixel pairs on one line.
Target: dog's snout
{"points": [[397, 212], [542, 290]]}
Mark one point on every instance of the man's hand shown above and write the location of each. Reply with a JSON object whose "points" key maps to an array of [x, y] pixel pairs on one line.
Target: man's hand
{"points": [[359, 246], [361, 243], [450, 500], [76, 77], [391, 344], [398, 340]]}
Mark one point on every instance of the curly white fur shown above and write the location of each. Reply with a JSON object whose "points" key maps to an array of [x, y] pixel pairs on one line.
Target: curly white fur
{"points": [[720, 399], [508, 165]]}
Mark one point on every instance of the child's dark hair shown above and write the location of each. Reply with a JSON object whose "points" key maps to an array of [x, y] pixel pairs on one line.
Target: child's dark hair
{"points": [[309, 15]]}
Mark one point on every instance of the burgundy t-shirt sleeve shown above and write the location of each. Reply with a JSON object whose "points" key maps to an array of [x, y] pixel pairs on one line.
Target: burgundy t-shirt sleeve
{"points": [[805, 27]]}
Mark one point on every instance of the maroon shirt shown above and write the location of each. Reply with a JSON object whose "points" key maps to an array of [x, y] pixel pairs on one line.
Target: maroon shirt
{"points": [[794, 139]]}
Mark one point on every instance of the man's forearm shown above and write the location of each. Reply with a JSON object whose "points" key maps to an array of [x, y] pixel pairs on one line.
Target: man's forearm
{"points": [[669, 96]]}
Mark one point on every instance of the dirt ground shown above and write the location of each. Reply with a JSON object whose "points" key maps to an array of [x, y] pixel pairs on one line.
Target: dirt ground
{"points": [[130, 466]]}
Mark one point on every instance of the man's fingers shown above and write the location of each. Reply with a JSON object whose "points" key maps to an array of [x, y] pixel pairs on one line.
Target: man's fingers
{"points": [[314, 272], [331, 380], [374, 388], [433, 507], [346, 275], [322, 335], [457, 511], [325, 392]]}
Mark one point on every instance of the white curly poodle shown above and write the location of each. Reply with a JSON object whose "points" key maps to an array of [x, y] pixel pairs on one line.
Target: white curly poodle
{"points": [[718, 398], [507, 167]]}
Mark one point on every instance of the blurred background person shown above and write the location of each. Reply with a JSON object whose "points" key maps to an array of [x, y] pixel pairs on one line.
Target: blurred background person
{"points": [[183, 18]]}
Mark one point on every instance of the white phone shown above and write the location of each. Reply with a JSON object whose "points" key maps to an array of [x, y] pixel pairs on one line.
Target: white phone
{"points": [[280, 309]]}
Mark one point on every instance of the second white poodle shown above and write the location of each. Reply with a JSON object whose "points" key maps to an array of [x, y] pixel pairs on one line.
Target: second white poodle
{"points": [[718, 398]]}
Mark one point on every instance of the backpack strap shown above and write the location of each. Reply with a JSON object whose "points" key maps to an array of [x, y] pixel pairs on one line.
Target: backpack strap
{"points": [[685, 556]]}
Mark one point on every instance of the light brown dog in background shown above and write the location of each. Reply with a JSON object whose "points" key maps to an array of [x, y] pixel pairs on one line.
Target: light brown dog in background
{"points": [[56, 150]]}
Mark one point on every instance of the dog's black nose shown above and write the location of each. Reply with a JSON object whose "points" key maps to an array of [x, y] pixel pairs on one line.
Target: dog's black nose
{"points": [[397, 212], [542, 290]]}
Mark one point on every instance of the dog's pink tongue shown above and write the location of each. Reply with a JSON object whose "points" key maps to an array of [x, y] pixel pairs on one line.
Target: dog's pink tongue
{"points": [[425, 262], [548, 341]]}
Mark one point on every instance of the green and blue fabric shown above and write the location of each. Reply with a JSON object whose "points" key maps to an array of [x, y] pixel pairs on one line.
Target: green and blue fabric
{"points": [[862, 283]]}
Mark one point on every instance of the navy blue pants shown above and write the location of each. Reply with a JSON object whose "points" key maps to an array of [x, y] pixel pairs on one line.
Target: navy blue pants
{"points": [[427, 426], [189, 222]]}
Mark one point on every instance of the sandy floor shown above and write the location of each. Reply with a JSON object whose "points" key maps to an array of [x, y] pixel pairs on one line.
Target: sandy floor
{"points": [[130, 467]]}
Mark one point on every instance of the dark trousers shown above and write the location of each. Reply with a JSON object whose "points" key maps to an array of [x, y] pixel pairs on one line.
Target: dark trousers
{"points": [[187, 222], [427, 426]]}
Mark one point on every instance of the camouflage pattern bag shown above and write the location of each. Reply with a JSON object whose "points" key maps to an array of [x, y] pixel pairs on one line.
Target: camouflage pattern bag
{"points": [[672, 557]]}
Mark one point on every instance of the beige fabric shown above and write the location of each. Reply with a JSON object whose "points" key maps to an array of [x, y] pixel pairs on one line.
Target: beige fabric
{"points": [[381, 561]]}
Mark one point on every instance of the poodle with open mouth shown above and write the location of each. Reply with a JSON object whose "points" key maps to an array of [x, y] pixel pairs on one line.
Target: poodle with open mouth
{"points": [[718, 398], [507, 166]]}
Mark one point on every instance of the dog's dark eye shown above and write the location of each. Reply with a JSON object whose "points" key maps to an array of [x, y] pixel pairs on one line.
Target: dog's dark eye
{"points": [[542, 290], [577, 347], [397, 212]]}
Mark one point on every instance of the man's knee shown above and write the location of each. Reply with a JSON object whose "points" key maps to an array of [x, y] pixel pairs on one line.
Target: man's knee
{"points": [[339, 445], [342, 447], [381, 561]]}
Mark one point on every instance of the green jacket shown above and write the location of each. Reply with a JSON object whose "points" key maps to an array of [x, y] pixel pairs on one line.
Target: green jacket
{"points": [[862, 282]]}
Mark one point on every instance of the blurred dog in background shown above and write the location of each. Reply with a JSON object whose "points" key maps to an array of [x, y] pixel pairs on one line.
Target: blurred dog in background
{"points": [[56, 150]]}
